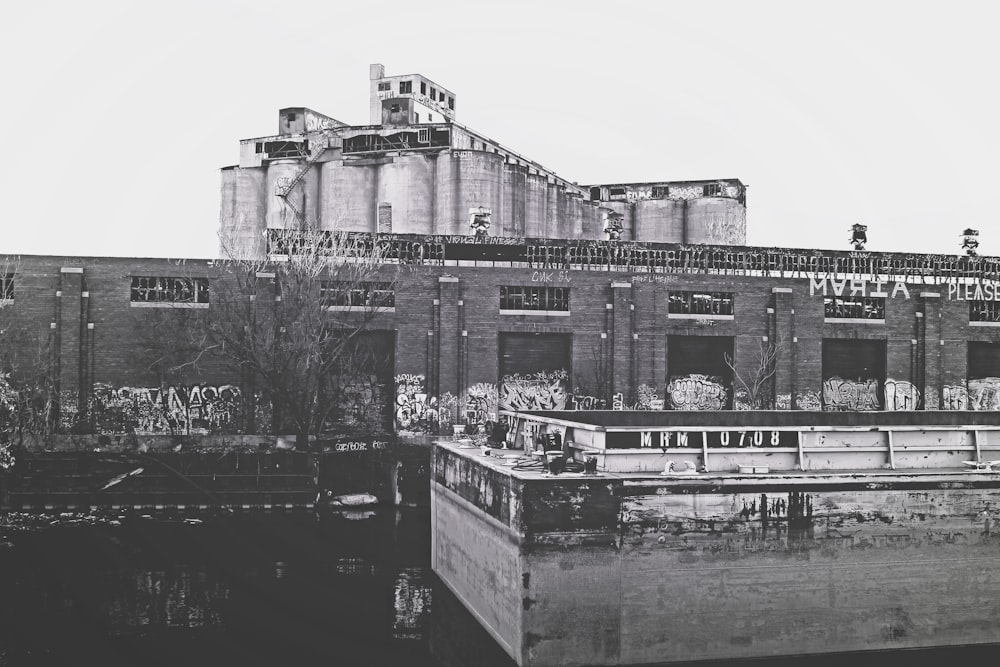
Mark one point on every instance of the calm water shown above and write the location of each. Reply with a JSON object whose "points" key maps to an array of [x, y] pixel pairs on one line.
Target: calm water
{"points": [[264, 589]]}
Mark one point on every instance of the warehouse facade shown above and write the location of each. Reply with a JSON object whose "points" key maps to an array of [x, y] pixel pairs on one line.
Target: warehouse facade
{"points": [[476, 327]]}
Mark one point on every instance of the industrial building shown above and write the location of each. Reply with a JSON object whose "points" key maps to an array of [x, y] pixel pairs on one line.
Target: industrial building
{"points": [[506, 286]]}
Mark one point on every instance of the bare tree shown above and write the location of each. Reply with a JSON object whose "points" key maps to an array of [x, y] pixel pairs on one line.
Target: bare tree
{"points": [[754, 387], [293, 326]]}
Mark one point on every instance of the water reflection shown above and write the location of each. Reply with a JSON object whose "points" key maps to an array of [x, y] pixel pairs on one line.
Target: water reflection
{"points": [[249, 590], [245, 589]]}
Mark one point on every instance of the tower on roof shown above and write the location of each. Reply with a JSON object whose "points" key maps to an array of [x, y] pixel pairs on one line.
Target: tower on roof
{"points": [[407, 99]]}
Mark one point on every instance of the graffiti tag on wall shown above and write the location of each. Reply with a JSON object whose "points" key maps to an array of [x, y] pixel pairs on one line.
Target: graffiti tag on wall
{"points": [[540, 391], [481, 403], [416, 410], [697, 392], [171, 410], [901, 395], [984, 394], [841, 394]]}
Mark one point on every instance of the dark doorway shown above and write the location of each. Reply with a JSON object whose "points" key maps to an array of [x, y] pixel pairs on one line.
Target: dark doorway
{"points": [[534, 371], [698, 377], [853, 374]]}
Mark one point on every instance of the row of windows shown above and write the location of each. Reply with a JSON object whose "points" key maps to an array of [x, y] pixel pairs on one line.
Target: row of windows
{"points": [[859, 308], [161, 289], [364, 295], [167, 289], [516, 297], [406, 87], [700, 303]]}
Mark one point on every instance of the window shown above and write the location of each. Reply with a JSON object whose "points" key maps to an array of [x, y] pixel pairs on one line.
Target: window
{"points": [[451, 102], [434, 93], [700, 303], [6, 286], [416, 116], [517, 297], [661, 191], [384, 85], [357, 295], [393, 108], [854, 308], [711, 190], [259, 147], [405, 87], [154, 290], [423, 88], [424, 136], [440, 97], [292, 117], [430, 117], [984, 311]]}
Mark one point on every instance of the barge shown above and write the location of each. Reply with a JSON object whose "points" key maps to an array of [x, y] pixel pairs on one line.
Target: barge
{"points": [[627, 538]]}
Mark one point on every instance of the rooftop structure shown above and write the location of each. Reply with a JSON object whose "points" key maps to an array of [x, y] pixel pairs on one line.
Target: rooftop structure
{"points": [[415, 170]]}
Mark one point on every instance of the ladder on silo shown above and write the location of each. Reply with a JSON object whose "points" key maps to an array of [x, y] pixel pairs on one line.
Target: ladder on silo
{"points": [[283, 189]]}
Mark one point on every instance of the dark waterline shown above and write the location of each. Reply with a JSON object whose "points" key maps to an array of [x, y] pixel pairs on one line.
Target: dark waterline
{"points": [[350, 589]]}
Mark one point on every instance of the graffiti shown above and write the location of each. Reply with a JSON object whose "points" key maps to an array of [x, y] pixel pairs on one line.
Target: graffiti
{"points": [[984, 394], [540, 391], [550, 277], [954, 397], [481, 403], [647, 398], [171, 410], [783, 402], [416, 411], [840, 394], [617, 402], [583, 402], [901, 395], [447, 409], [808, 400], [697, 392]]}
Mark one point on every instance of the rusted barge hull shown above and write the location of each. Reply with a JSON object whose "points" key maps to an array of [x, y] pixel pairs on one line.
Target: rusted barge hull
{"points": [[620, 568]]}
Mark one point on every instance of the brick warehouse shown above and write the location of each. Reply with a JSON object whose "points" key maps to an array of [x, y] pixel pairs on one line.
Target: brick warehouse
{"points": [[550, 324], [512, 288]]}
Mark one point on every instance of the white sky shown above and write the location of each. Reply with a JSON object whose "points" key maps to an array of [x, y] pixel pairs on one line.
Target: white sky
{"points": [[118, 115]]}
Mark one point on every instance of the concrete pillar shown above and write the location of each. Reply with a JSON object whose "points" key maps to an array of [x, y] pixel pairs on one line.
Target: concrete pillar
{"points": [[929, 350], [781, 339], [448, 329], [70, 335], [621, 343]]}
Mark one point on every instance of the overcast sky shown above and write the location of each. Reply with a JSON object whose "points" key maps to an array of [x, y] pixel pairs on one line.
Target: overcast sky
{"points": [[118, 115]]}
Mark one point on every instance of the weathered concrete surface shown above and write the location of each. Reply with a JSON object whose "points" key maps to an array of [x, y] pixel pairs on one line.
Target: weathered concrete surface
{"points": [[717, 568]]}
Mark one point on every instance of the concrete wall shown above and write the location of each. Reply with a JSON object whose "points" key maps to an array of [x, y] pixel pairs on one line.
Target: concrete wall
{"points": [[696, 574]]}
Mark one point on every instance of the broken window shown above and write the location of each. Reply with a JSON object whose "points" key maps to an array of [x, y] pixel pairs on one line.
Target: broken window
{"points": [[405, 87], [433, 93], [358, 294], [661, 191], [6, 286], [423, 88], [394, 108], [520, 297], [260, 147], [440, 97], [430, 117], [711, 190], [384, 85], [700, 303], [984, 311], [854, 308], [416, 116], [169, 290], [292, 117], [451, 102]]}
